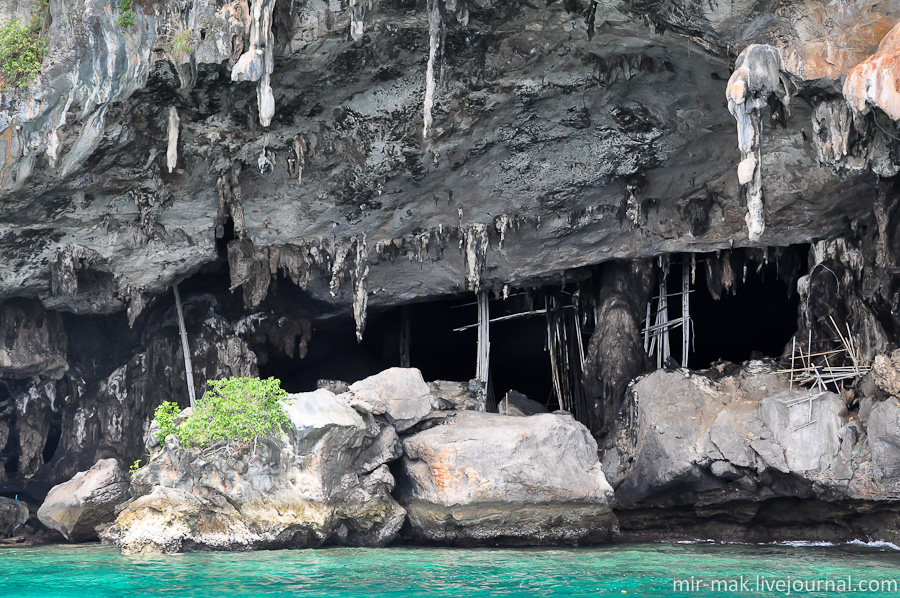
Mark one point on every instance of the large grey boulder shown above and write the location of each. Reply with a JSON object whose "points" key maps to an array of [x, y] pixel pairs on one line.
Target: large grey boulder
{"points": [[884, 440], [13, 514], [483, 478], [401, 394], [808, 428], [738, 437], [516, 403], [325, 481], [77, 507]]}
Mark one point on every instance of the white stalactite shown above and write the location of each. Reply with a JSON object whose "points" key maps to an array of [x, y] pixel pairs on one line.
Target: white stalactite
{"points": [[476, 250], [257, 63], [172, 151], [360, 286], [758, 75], [435, 49]]}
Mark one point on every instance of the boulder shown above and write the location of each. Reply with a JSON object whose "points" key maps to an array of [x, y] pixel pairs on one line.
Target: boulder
{"points": [[484, 478], [399, 393], [737, 436], [461, 396], [13, 515], [323, 482], [77, 507], [884, 440], [516, 403], [807, 429]]}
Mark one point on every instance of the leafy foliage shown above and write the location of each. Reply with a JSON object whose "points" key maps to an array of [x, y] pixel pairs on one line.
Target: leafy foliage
{"points": [[232, 409], [126, 14], [182, 43], [22, 49], [165, 416], [132, 471]]}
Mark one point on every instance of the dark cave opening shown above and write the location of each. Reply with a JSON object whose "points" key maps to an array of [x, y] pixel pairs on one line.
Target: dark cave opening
{"points": [[518, 358], [54, 433], [755, 319]]}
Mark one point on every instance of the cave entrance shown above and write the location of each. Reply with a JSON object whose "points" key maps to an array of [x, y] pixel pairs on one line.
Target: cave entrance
{"points": [[442, 344], [742, 304]]}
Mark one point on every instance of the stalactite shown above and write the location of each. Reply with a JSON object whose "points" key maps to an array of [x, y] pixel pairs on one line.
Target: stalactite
{"points": [[501, 223], [360, 287], [136, 304], [359, 9], [172, 150], [257, 63], [757, 77], [297, 162], [436, 34], [337, 268], [476, 250]]}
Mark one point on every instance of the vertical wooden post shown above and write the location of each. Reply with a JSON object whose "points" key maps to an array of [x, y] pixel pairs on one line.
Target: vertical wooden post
{"points": [[404, 336], [685, 310], [484, 343], [185, 348]]}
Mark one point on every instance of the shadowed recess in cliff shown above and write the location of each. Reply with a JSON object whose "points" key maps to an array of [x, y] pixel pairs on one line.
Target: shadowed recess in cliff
{"points": [[518, 357], [753, 315]]}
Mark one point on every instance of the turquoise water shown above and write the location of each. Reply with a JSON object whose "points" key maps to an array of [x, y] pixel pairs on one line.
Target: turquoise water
{"points": [[633, 570]]}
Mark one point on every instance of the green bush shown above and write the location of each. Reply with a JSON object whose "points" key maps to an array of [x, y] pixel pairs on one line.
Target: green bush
{"points": [[232, 409], [126, 15], [165, 416], [21, 51]]}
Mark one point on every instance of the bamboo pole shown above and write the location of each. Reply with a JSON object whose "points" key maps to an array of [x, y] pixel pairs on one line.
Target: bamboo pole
{"points": [[185, 348]]}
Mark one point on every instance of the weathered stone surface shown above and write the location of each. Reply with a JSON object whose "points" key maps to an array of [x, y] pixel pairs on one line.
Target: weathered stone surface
{"points": [[886, 373], [319, 485], [77, 507], [462, 396], [884, 439], [875, 81], [399, 393], [13, 514], [484, 478], [515, 403], [32, 341], [727, 455], [808, 430]]}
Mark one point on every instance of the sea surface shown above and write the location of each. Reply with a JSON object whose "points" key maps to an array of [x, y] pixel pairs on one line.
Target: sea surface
{"points": [[698, 569]]}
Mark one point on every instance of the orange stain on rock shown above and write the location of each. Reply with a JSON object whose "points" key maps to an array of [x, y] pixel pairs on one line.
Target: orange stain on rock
{"points": [[876, 80]]}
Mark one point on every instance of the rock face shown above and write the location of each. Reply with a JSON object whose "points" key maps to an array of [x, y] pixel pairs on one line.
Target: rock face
{"points": [[399, 393], [323, 483], [483, 478], [515, 403], [726, 458], [78, 507], [462, 396], [13, 514]]}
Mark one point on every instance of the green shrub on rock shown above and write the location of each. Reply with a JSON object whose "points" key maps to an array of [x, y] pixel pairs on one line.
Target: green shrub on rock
{"points": [[244, 409], [21, 51]]}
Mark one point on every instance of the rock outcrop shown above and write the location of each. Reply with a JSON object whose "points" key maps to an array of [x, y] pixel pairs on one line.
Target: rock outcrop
{"points": [[323, 483], [485, 479], [516, 403], [744, 457], [77, 508], [400, 394], [13, 515]]}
